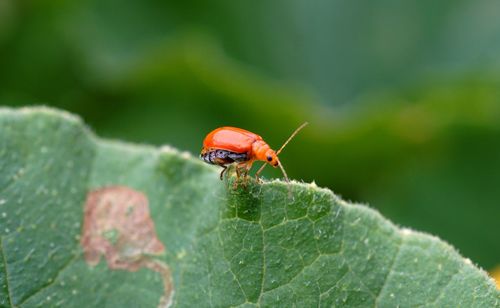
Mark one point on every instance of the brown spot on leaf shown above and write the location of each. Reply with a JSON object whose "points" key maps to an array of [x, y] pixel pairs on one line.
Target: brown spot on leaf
{"points": [[117, 225]]}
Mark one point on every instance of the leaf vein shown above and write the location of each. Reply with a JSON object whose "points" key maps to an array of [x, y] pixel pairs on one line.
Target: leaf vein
{"points": [[391, 268], [336, 284], [5, 271], [229, 262], [446, 286], [48, 284]]}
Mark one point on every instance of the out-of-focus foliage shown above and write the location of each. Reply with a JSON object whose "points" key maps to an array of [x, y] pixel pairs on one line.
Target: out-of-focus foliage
{"points": [[495, 273], [403, 98]]}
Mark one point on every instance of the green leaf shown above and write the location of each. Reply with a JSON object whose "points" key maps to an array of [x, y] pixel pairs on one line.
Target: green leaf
{"points": [[249, 247]]}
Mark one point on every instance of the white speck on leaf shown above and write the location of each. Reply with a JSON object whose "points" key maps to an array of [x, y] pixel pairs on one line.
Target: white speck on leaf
{"points": [[406, 232], [181, 254]]}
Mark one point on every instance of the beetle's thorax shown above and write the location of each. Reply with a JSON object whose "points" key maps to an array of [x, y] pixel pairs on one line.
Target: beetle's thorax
{"points": [[261, 151]]}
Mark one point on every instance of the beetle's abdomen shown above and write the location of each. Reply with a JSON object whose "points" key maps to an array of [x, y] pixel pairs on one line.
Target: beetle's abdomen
{"points": [[223, 157]]}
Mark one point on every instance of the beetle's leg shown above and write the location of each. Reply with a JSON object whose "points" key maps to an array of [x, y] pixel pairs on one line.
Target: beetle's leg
{"points": [[245, 176], [222, 172], [246, 168], [247, 172], [238, 174], [228, 171], [257, 178]]}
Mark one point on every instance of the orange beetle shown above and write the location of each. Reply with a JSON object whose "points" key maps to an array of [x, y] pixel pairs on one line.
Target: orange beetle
{"points": [[231, 145]]}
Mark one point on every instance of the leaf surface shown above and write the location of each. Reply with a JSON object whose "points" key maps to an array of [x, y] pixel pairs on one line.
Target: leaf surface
{"points": [[248, 247]]}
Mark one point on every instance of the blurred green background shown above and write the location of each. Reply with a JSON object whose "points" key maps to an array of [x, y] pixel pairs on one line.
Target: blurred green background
{"points": [[403, 98]]}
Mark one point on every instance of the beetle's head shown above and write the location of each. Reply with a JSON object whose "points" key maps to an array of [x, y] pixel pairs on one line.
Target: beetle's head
{"points": [[272, 158]]}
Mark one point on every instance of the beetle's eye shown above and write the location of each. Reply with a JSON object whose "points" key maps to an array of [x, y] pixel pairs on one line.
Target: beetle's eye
{"points": [[269, 158]]}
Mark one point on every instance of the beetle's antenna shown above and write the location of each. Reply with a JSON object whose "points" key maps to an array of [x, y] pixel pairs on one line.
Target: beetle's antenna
{"points": [[286, 179], [284, 173], [281, 149], [291, 136]]}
